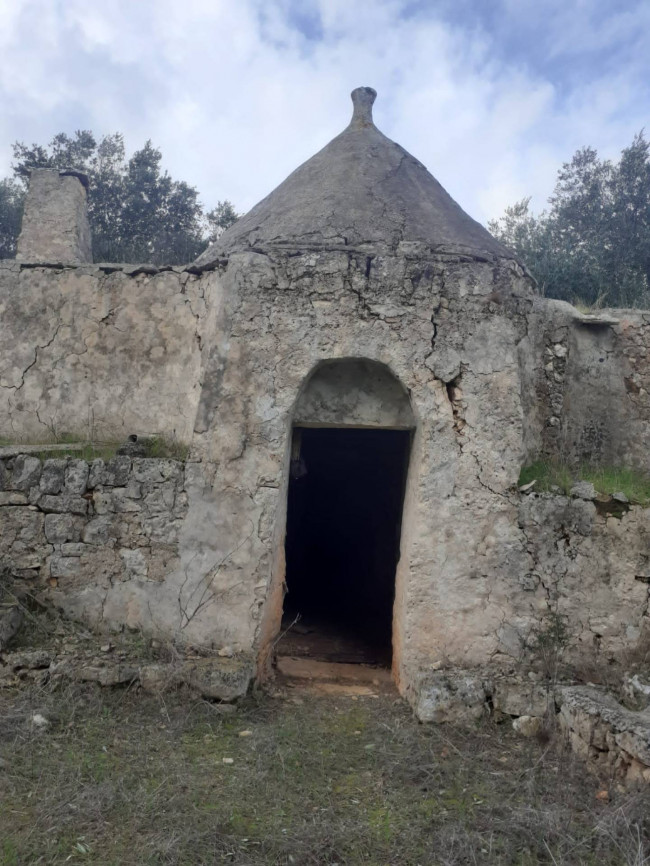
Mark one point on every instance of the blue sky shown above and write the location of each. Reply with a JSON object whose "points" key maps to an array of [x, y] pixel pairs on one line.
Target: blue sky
{"points": [[491, 95]]}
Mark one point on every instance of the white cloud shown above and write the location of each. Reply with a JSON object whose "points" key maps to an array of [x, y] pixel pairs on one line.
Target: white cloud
{"points": [[236, 96]]}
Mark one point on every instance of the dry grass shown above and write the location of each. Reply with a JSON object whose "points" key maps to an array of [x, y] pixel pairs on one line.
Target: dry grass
{"points": [[124, 778]]}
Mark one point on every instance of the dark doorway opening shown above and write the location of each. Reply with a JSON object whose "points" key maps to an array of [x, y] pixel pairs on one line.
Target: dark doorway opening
{"points": [[346, 494]]}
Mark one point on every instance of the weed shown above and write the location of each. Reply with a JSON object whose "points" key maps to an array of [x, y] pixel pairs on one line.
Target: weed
{"points": [[547, 475], [546, 643], [554, 474], [586, 308], [159, 446]]}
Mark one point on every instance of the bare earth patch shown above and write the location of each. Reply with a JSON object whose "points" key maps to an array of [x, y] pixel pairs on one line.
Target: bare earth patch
{"points": [[116, 776]]}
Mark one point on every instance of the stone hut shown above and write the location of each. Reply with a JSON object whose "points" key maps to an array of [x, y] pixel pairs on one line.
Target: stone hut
{"points": [[368, 337], [360, 371]]}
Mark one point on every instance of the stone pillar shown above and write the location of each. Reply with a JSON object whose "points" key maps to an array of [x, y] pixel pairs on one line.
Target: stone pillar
{"points": [[55, 222]]}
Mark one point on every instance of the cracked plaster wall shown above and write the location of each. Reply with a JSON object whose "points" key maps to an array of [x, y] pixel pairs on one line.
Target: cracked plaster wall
{"points": [[99, 351], [587, 385], [448, 328], [589, 566]]}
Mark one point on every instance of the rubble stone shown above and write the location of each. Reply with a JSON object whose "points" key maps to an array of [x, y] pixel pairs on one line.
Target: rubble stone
{"points": [[53, 475], [455, 697]]}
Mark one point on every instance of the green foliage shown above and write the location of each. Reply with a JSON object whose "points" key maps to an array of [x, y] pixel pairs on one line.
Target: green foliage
{"points": [[593, 244], [221, 218], [550, 474], [137, 211], [634, 484], [547, 474], [12, 197], [158, 446]]}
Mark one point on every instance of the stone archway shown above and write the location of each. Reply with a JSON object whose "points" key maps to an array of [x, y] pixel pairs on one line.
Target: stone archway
{"points": [[351, 435], [353, 392]]}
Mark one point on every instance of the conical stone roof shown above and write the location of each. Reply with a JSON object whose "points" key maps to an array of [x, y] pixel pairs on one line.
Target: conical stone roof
{"points": [[361, 191]]}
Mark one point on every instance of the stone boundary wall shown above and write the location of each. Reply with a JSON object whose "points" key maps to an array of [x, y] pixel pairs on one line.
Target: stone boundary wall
{"points": [[81, 531], [612, 739], [587, 385], [76, 528], [100, 351], [590, 565]]}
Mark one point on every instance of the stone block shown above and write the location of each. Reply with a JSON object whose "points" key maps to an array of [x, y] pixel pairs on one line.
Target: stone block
{"points": [[27, 561], [161, 498], [25, 573], [64, 566], [96, 473], [116, 472], [28, 660], [26, 472], [604, 731], [451, 697], [527, 726], [221, 679], [13, 497], [73, 549], [115, 501], [97, 530], [133, 490], [155, 471], [105, 674], [515, 698], [76, 476], [11, 621], [21, 532], [65, 503], [60, 528], [583, 490], [52, 476]]}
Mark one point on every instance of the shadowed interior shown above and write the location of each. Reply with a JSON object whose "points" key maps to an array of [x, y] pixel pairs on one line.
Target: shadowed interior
{"points": [[343, 532]]}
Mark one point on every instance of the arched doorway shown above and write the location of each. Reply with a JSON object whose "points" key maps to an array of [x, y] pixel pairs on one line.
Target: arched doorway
{"points": [[351, 440]]}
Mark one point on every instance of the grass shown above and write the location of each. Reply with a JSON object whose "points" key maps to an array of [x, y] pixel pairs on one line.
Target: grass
{"points": [[120, 777], [159, 446], [635, 484], [155, 446], [587, 308]]}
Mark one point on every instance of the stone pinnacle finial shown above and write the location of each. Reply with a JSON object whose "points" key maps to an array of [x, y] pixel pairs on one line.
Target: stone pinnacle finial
{"points": [[362, 99]]}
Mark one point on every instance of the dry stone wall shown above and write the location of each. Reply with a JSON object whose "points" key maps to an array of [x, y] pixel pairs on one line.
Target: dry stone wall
{"points": [[78, 531], [612, 739], [590, 565]]}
